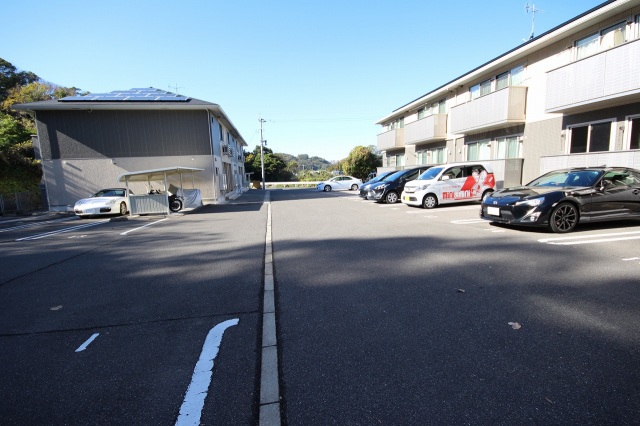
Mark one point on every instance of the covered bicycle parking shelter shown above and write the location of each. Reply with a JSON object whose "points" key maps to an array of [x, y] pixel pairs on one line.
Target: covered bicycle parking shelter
{"points": [[158, 203]]}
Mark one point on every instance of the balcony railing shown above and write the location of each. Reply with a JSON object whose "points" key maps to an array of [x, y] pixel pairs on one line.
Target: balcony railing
{"points": [[391, 139], [431, 128], [499, 109], [606, 77]]}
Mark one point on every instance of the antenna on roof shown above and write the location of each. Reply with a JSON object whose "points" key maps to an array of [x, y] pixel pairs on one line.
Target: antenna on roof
{"points": [[175, 88], [532, 10]]}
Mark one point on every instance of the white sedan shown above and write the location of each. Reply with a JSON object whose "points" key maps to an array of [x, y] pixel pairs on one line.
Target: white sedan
{"points": [[105, 201], [340, 182]]}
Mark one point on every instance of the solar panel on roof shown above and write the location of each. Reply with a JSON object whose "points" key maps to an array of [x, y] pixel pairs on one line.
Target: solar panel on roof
{"points": [[132, 95]]}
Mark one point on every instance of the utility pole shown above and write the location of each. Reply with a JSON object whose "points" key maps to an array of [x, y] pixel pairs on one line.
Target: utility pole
{"points": [[262, 144]]}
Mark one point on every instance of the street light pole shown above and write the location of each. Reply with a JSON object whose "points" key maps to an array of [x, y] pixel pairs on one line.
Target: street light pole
{"points": [[262, 142]]}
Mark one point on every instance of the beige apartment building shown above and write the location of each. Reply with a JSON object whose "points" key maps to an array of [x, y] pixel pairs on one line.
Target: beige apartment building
{"points": [[569, 97]]}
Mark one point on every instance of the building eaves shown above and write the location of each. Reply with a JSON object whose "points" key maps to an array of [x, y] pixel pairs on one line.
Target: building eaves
{"points": [[191, 104], [529, 46]]}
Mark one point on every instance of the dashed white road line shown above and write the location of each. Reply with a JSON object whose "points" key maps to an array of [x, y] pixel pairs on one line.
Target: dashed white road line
{"points": [[83, 346]]}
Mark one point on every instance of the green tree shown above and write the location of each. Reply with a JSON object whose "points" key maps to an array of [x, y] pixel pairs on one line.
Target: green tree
{"points": [[19, 169], [361, 161], [10, 77], [275, 168]]}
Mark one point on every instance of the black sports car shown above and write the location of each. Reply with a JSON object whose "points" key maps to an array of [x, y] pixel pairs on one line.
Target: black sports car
{"points": [[563, 198]]}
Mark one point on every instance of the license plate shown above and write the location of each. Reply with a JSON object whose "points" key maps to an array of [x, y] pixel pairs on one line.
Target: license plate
{"points": [[493, 211]]}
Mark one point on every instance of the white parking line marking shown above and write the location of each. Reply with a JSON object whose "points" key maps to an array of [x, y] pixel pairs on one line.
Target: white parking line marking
{"points": [[590, 239], [83, 346], [467, 221], [631, 258], [191, 408], [31, 225], [144, 226], [62, 231]]}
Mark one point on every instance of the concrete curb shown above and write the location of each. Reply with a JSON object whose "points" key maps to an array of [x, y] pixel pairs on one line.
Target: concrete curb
{"points": [[269, 380]]}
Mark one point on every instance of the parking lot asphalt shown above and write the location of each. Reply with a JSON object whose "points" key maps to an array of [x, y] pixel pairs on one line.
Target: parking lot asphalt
{"points": [[384, 314]]}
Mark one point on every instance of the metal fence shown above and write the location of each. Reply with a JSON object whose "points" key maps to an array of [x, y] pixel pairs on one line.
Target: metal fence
{"points": [[20, 203]]}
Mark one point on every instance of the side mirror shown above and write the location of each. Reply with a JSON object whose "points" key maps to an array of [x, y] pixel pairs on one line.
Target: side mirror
{"points": [[446, 177]]}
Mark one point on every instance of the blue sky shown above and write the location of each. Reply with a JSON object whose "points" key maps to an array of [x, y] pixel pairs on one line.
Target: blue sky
{"points": [[320, 73]]}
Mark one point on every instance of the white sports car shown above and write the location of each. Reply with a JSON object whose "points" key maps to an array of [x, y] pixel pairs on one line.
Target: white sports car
{"points": [[105, 201], [340, 182]]}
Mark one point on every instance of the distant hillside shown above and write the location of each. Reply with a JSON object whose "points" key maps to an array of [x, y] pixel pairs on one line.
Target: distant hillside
{"points": [[305, 162]]}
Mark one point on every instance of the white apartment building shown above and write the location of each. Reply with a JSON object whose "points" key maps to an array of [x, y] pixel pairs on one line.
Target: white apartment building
{"points": [[569, 97]]}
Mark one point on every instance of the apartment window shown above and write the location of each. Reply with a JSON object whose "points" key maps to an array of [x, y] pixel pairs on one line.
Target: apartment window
{"points": [[431, 156], [517, 76], [397, 124], [612, 36], [635, 133], [502, 81], [587, 46], [395, 160], [480, 150], [485, 87], [606, 39], [509, 147], [474, 91], [590, 138]]}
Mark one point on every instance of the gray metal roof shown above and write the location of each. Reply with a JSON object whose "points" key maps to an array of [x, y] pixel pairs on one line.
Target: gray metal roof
{"points": [[93, 102]]}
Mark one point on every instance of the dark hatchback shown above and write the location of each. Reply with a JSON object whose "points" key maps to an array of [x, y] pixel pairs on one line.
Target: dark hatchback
{"points": [[391, 187], [563, 198], [364, 188]]}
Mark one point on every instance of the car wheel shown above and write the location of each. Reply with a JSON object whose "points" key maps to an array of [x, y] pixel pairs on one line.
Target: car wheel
{"points": [[391, 197], [354, 187], [123, 208], [564, 218], [486, 193], [429, 201], [327, 188]]}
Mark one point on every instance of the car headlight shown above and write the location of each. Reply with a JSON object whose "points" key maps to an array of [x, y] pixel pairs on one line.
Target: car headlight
{"points": [[111, 202], [380, 188], [534, 202], [422, 187]]}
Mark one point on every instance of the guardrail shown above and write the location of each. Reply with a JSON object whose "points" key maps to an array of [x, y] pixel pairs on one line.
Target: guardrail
{"points": [[282, 185]]}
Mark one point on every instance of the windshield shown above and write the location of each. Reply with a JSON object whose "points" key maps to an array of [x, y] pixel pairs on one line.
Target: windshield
{"points": [[380, 177], [568, 178], [110, 193], [430, 174]]}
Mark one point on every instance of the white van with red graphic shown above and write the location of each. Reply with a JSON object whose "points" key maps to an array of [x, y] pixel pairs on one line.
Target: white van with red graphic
{"points": [[449, 183]]}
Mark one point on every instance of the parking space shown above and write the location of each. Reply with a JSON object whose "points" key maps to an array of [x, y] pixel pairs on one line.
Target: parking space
{"points": [[439, 317]]}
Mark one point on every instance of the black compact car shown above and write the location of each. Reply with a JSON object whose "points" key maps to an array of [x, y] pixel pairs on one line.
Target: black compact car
{"points": [[364, 189], [563, 198], [391, 187]]}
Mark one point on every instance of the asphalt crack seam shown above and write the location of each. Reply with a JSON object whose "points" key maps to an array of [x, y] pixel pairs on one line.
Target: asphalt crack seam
{"points": [[130, 324]]}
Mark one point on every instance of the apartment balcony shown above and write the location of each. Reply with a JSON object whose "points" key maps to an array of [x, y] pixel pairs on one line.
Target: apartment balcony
{"points": [[499, 109], [391, 139], [608, 78], [428, 129]]}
